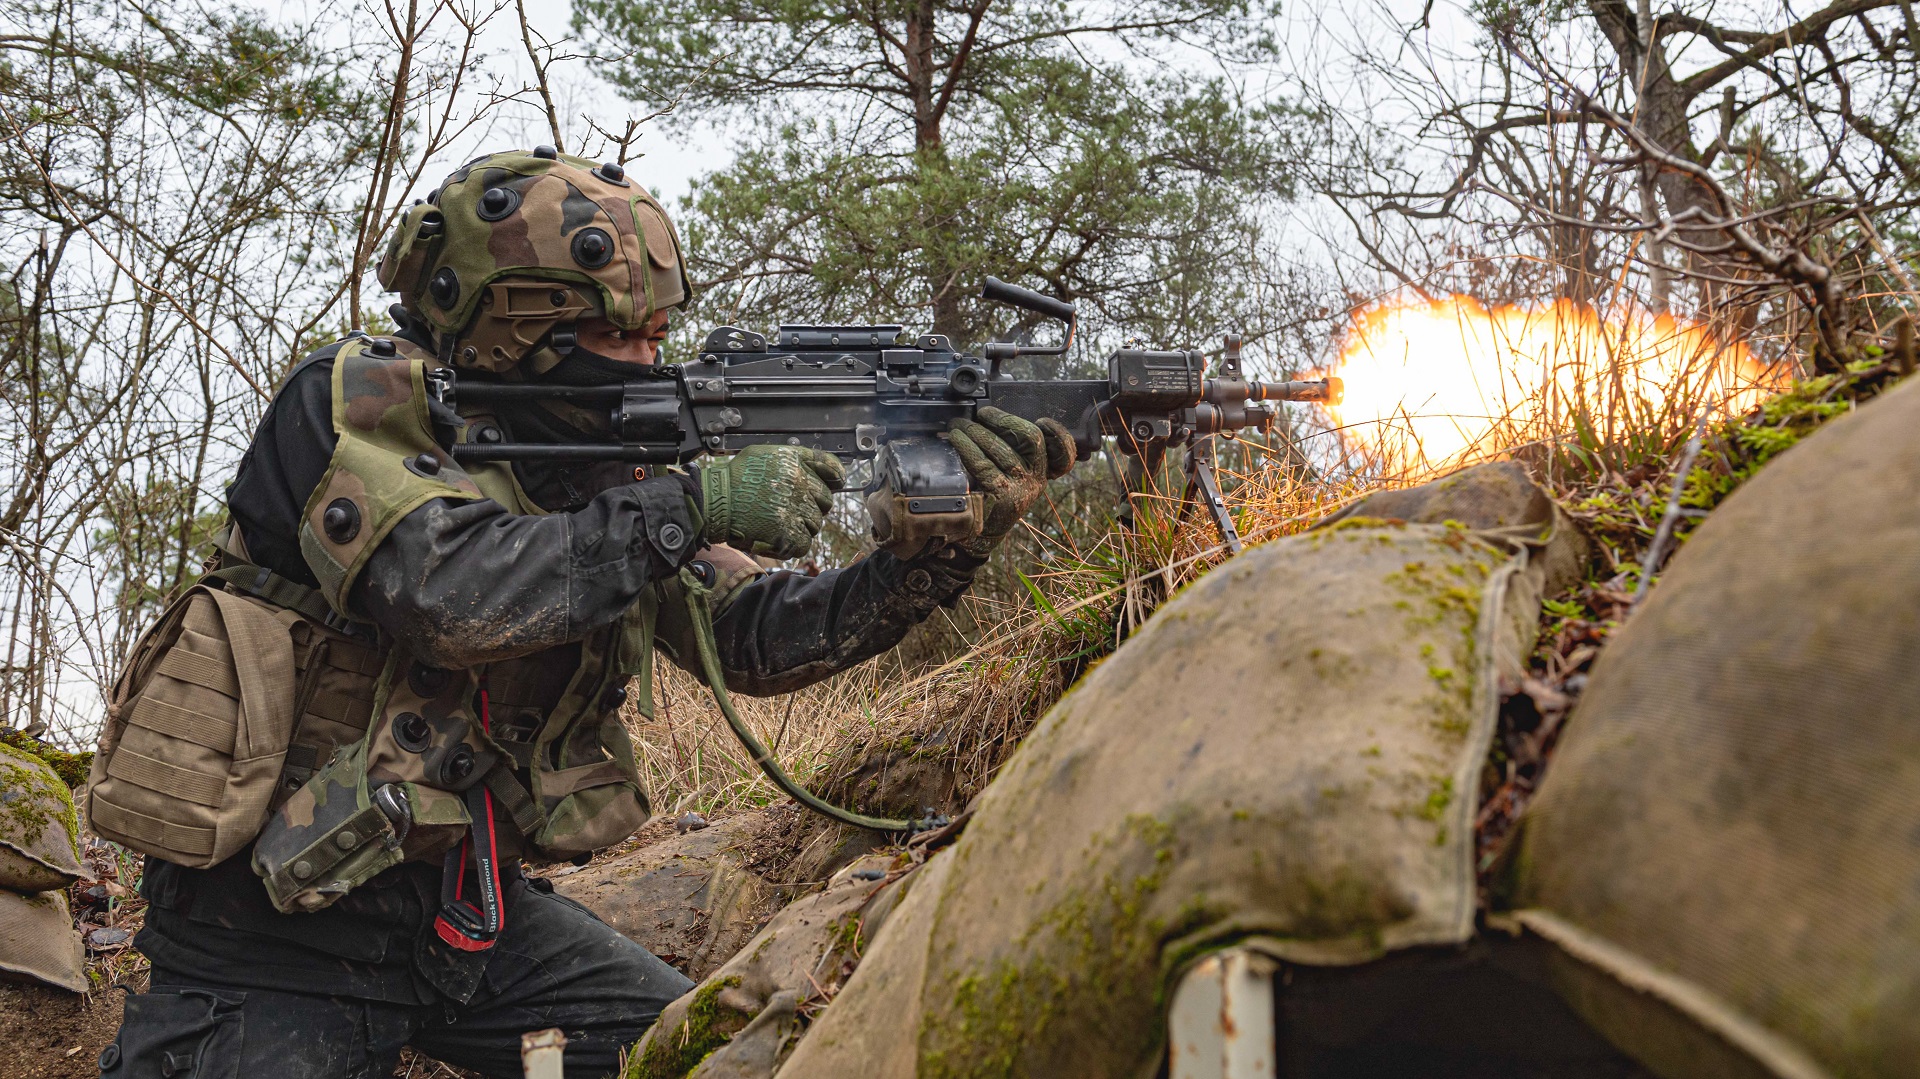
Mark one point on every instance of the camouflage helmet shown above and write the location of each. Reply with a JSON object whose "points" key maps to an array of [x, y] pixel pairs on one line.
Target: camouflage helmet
{"points": [[516, 247]]}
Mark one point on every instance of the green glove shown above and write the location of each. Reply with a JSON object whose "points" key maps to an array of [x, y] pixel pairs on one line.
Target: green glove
{"points": [[770, 500], [1009, 460]]}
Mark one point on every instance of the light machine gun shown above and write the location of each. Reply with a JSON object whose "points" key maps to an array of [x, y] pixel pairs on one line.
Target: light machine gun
{"points": [[861, 393]]}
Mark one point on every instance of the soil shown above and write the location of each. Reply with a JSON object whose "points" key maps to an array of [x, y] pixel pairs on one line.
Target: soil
{"points": [[54, 1034]]}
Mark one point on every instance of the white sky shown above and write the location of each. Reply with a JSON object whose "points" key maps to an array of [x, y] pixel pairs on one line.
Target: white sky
{"points": [[670, 161]]}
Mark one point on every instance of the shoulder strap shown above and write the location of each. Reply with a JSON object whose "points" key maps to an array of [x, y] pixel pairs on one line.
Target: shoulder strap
{"points": [[235, 570]]}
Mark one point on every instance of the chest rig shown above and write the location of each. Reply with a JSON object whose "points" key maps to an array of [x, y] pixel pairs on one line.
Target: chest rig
{"points": [[522, 756]]}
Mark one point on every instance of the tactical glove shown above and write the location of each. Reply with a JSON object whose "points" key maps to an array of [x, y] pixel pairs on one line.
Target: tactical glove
{"points": [[769, 500], [1009, 460]]}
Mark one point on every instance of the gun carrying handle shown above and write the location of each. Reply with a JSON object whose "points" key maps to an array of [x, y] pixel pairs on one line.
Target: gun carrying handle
{"points": [[1027, 300]]}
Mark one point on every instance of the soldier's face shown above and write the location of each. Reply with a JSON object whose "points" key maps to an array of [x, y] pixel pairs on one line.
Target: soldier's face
{"points": [[640, 347]]}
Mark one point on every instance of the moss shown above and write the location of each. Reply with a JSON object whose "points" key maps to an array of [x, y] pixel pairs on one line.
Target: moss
{"points": [[1735, 450], [848, 938], [1087, 953], [72, 768], [1350, 523], [708, 1026], [29, 800], [1442, 600], [1438, 800]]}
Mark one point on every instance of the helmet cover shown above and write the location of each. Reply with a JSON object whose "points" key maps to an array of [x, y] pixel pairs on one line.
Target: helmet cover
{"points": [[516, 247]]}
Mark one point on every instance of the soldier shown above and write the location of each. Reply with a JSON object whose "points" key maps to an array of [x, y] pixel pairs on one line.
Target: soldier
{"points": [[466, 638]]}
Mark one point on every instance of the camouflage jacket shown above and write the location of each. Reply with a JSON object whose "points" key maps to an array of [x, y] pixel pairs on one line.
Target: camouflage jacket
{"points": [[495, 579]]}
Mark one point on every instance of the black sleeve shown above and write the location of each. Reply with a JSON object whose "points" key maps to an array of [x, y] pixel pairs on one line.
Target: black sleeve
{"points": [[785, 631], [465, 583], [288, 456]]}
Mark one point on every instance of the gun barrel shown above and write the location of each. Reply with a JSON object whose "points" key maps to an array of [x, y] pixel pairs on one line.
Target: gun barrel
{"points": [[550, 452], [479, 392], [1327, 391]]}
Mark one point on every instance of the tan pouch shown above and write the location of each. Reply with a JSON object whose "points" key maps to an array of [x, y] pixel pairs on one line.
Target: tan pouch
{"points": [[198, 730]]}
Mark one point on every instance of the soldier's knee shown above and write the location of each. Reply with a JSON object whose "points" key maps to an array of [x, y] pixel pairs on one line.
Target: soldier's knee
{"points": [[175, 1033]]}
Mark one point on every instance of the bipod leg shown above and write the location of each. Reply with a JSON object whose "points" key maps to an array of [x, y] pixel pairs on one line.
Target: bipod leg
{"points": [[1203, 487]]}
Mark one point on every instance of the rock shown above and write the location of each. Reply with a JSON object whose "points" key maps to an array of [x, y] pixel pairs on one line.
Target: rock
{"points": [[688, 899]]}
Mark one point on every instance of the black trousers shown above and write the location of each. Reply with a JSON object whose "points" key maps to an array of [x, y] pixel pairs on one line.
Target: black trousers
{"points": [[555, 965]]}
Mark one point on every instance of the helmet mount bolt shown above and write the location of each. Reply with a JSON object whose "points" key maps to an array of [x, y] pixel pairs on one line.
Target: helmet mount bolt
{"points": [[341, 520], [546, 153], [558, 298], [383, 346], [592, 248], [444, 288], [497, 203]]}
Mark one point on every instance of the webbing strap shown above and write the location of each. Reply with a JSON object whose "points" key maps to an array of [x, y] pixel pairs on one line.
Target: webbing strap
{"points": [[159, 834], [175, 721], [277, 590], [514, 798], [196, 669], [161, 777], [237, 570]]}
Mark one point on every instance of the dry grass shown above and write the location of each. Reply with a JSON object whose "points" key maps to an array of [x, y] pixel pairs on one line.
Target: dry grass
{"points": [[961, 717]]}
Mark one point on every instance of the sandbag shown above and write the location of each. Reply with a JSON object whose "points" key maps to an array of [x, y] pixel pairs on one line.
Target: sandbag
{"points": [[39, 832], [1727, 847], [1285, 755], [740, 1019], [38, 941]]}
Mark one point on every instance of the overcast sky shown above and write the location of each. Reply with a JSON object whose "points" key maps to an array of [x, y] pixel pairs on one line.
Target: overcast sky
{"points": [[670, 161]]}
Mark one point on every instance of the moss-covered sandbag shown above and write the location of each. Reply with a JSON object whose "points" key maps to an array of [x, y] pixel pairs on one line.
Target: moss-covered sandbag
{"points": [[1285, 753], [739, 1020], [1727, 848], [39, 832]]}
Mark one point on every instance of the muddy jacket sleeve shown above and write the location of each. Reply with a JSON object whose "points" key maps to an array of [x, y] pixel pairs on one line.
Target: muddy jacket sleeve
{"points": [[783, 631], [462, 583]]}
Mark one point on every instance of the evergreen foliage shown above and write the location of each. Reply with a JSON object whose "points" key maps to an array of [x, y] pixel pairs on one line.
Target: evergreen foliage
{"points": [[888, 157]]}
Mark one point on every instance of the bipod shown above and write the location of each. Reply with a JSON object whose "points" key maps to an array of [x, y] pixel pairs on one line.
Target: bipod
{"points": [[1202, 484], [1203, 487]]}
